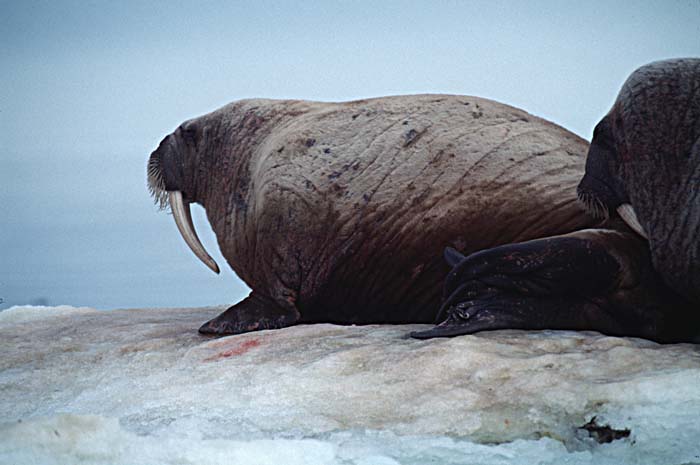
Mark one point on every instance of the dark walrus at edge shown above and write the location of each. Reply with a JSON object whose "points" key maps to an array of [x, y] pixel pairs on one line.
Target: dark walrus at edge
{"points": [[643, 168]]}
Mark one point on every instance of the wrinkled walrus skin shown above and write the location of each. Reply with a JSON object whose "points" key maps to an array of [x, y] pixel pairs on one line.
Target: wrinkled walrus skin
{"points": [[339, 212], [643, 162]]}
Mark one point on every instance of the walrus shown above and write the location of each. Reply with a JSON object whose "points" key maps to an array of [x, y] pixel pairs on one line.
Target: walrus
{"points": [[338, 212], [638, 274]]}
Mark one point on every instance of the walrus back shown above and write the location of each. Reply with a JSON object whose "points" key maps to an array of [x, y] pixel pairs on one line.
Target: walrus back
{"points": [[353, 203]]}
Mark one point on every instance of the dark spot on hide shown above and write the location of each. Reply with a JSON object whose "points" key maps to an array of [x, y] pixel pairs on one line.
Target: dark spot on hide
{"points": [[326, 150], [239, 202], [354, 166], [405, 123], [411, 136], [251, 121], [420, 198], [437, 158], [310, 142]]}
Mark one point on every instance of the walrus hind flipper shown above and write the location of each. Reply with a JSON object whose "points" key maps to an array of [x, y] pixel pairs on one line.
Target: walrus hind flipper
{"points": [[551, 283], [254, 313]]}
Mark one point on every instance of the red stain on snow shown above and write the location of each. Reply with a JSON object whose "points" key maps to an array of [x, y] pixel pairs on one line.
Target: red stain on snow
{"points": [[239, 349]]}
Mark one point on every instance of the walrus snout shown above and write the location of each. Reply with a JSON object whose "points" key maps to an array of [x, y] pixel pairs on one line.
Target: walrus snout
{"points": [[599, 191], [593, 204], [589, 194], [166, 184]]}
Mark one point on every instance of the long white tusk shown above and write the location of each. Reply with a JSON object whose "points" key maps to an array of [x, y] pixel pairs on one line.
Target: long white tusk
{"points": [[628, 215], [183, 219]]}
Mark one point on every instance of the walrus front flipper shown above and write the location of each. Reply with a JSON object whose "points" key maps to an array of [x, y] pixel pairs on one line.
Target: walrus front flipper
{"points": [[580, 281], [253, 313]]}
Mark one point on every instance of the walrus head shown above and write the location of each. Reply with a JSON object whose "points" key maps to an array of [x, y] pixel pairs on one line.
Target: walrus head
{"points": [[644, 164], [206, 160], [172, 180]]}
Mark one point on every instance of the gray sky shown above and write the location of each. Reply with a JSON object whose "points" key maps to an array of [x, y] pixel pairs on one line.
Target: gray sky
{"points": [[88, 89]]}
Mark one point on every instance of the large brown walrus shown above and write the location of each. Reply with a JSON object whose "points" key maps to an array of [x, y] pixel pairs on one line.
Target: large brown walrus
{"points": [[339, 212], [641, 278]]}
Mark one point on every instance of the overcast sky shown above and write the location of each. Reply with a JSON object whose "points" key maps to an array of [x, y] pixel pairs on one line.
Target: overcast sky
{"points": [[88, 89]]}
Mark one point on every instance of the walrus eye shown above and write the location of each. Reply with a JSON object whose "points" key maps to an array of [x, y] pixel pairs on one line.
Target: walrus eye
{"points": [[602, 135], [189, 134]]}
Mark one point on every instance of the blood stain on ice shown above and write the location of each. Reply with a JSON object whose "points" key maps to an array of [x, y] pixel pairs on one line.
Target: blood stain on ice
{"points": [[239, 349]]}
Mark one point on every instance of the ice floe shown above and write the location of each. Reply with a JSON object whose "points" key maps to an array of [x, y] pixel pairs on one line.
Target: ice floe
{"points": [[142, 386]]}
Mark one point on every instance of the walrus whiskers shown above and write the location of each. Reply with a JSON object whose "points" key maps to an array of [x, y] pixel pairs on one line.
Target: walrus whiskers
{"points": [[593, 205], [156, 183]]}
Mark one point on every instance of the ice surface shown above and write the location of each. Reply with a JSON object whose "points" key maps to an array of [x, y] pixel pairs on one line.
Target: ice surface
{"points": [[142, 387]]}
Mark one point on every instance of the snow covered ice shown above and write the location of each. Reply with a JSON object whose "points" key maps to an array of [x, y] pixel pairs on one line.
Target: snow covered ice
{"points": [[143, 387]]}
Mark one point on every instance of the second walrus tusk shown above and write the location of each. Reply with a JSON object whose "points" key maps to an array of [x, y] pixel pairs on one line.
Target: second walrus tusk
{"points": [[183, 219], [627, 213]]}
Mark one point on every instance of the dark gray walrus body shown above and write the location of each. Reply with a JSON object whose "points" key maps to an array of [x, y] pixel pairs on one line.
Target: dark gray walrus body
{"points": [[643, 167], [339, 212]]}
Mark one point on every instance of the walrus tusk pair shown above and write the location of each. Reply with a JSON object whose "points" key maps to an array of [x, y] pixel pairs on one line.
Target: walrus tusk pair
{"points": [[183, 219], [628, 215]]}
